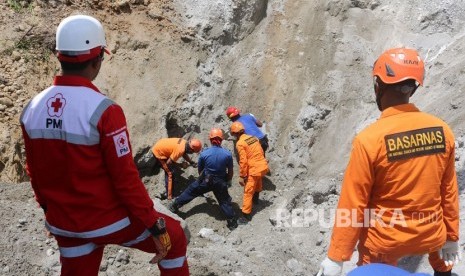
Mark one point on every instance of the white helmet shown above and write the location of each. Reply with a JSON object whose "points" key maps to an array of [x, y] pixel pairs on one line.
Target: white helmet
{"points": [[77, 34]]}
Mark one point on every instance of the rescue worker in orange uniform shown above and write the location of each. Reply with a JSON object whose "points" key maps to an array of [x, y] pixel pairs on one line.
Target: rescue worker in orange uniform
{"points": [[252, 167], [402, 171], [168, 150], [79, 160]]}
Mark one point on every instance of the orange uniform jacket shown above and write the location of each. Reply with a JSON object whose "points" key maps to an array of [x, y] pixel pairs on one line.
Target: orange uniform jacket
{"points": [[251, 158], [403, 161], [172, 148]]}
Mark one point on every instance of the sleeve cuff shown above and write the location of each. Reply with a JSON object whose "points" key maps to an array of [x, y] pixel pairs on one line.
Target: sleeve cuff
{"points": [[337, 256]]}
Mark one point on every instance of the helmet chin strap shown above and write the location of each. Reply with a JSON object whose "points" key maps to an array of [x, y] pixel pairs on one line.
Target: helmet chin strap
{"points": [[378, 95], [378, 101]]}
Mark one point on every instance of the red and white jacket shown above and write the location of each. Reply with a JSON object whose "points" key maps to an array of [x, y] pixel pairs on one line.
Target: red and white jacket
{"points": [[79, 160]]}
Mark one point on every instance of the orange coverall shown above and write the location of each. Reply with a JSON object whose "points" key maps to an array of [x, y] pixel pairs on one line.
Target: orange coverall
{"points": [[253, 165], [169, 148], [403, 161]]}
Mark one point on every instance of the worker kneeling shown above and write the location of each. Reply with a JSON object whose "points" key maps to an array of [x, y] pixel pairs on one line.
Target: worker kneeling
{"points": [[215, 167]]}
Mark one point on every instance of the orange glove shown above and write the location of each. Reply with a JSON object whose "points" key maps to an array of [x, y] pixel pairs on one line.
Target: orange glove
{"points": [[163, 245], [162, 240]]}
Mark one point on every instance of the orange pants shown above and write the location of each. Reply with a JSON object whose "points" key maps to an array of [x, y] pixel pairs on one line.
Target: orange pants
{"points": [[366, 256], [168, 177], [252, 186]]}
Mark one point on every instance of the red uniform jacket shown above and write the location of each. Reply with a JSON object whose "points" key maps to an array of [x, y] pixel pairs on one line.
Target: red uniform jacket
{"points": [[79, 160]]}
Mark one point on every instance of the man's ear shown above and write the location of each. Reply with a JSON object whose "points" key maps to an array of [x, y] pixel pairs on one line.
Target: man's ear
{"points": [[96, 62], [406, 89]]}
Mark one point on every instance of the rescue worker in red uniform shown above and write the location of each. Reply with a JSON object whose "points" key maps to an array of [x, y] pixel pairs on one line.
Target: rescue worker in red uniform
{"points": [[81, 168], [252, 167], [402, 171], [167, 151]]}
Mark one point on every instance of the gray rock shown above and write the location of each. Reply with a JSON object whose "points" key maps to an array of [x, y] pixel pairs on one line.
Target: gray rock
{"points": [[122, 257], [209, 234], [295, 266], [155, 12], [50, 252]]}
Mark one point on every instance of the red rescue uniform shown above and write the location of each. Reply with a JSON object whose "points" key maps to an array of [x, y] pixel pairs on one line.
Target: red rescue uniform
{"points": [[79, 160]]}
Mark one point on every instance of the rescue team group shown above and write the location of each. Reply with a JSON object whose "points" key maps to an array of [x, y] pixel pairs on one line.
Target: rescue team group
{"points": [[93, 196]]}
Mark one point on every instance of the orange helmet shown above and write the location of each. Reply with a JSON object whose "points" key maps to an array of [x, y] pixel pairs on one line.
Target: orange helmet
{"points": [[399, 64], [237, 127], [232, 111], [216, 133], [195, 145]]}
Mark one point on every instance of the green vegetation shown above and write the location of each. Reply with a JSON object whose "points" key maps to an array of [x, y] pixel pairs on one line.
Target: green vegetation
{"points": [[31, 47], [20, 6]]}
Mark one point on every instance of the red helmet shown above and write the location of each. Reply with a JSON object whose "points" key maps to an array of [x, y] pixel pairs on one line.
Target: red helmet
{"points": [[399, 64], [232, 111], [216, 133], [195, 145], [237, 127]]}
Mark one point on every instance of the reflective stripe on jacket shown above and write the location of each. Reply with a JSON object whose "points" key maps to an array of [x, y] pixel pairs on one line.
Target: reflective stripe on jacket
{"points": [[78, 157], [251, 158]]}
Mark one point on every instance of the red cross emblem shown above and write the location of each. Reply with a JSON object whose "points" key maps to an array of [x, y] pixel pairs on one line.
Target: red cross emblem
{"points": [[56, 105], [122, 141], [121, 144]]}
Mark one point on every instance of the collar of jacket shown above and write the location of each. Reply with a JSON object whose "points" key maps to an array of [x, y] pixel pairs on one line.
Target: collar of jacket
{"points": [[394, 110], [74, 81]]}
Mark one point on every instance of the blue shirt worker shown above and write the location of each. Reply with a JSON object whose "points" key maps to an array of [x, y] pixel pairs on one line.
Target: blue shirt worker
{"points": [[251, 125], [215, 167]]}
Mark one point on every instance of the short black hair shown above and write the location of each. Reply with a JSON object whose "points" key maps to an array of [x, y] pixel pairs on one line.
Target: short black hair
{"points": [[406, 86], [74, 66]]}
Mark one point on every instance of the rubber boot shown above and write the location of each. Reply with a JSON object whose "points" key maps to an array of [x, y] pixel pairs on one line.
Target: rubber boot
{"points": [[447, 273], [244, 219], [232, 224], [256, 198], [163, 196], [173, 206]]}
